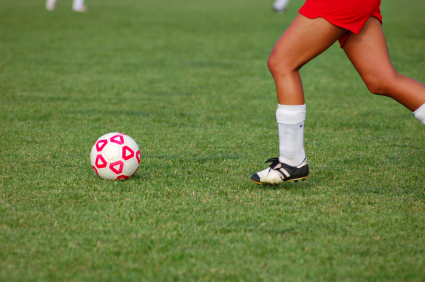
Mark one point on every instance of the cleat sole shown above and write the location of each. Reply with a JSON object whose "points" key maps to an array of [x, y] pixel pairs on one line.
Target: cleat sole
{"points": [[259, 183], [264, 184], [267, 184], [296, 179]]}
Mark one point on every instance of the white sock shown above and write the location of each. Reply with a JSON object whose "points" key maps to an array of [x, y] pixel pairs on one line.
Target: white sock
{"points": [[420, 113], [290, 120], [77, 4], [280, 4], [50, 4]]}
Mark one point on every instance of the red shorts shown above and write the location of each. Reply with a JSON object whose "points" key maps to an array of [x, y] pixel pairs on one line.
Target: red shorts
{"points": [[348, 14]]}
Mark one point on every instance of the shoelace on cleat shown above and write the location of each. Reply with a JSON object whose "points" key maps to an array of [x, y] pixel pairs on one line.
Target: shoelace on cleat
{"points": [[279, 167], [274, 162]]}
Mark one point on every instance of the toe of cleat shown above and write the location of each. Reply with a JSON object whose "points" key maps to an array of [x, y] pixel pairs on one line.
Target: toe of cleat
{"points": [[256, 179]]}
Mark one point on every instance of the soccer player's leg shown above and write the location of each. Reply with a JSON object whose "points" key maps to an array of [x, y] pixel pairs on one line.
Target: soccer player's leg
{"points": [[369, 54], [78, 6], [303, 40], [51, 5]]}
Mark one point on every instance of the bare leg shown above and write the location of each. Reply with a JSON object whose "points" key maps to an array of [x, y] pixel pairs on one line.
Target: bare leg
{"points": [[368, 52], [303, 40]]}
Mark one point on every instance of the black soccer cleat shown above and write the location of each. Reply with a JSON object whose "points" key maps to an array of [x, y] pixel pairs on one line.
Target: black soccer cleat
{"points": [[278, 172]]}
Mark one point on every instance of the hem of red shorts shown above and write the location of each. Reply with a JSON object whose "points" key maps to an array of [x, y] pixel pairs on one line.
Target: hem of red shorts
{"points": [[341, 43], [343, 38], [329, 20]]}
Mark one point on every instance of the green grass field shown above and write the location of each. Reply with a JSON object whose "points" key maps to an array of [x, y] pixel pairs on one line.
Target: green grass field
{"points": [[188, 80]]}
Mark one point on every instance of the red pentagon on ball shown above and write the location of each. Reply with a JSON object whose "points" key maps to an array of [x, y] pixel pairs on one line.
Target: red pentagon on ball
{"points": [[117, 167], [122, 177], [100, 162], [95, 169], [117, 139], [138, 156], [127, 153], [101, 144]]}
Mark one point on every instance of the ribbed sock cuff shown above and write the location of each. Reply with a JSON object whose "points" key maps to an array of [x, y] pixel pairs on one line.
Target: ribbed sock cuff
{"points": [[291, 114]]}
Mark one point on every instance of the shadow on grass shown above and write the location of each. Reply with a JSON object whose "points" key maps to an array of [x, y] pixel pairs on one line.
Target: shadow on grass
{"points": [[287, 186]]}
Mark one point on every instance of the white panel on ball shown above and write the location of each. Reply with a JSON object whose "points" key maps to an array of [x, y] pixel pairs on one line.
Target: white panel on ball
{"points": [[112, 151], [130, 166]]}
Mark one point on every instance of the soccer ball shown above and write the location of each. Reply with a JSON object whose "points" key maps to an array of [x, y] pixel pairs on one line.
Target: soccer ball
{"points": [[115, 156]]}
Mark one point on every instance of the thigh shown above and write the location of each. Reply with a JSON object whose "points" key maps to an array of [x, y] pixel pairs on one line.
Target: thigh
{"points": [[368, 52], [305, 39]]}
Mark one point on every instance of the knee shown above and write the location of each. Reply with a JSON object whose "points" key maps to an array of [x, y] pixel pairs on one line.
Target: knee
{"points": [[281, 66], [381, 85], [375, 86], [274, 64]]}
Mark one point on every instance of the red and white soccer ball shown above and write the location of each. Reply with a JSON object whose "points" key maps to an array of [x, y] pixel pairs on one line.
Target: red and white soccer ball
{"points": [[115, 156]]}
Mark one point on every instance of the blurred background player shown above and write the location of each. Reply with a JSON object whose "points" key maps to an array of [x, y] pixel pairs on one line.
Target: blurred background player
{"points": [[77, 5], [279, 6]]}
